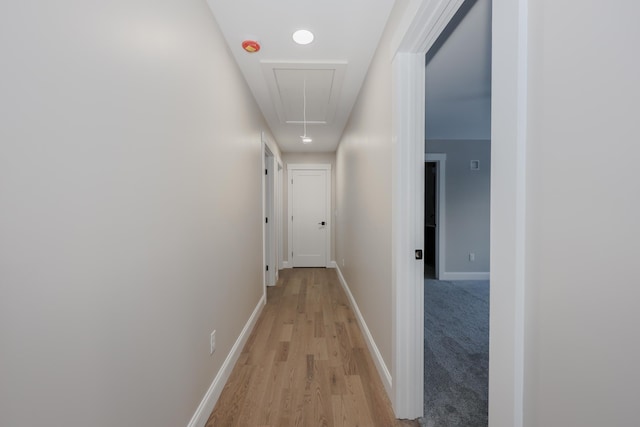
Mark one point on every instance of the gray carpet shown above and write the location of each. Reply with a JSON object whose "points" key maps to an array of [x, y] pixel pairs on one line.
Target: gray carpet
{"points": [[456, 353]]}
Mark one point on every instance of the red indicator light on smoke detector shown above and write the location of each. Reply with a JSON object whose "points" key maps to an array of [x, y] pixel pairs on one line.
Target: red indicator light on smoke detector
{"points": [[250, 46]]}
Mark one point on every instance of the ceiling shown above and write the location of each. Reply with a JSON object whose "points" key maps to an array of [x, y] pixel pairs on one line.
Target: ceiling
{"points": [[458, 77], [328, 72]]}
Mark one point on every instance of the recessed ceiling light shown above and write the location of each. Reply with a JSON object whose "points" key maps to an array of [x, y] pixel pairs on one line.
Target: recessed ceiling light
{"points": [[303, 37]]}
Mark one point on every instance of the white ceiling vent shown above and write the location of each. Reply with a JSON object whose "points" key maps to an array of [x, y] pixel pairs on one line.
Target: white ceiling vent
{"points": [[287, 82]]}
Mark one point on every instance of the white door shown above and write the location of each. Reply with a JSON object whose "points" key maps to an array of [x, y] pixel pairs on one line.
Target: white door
{"points": [[309, 220]]}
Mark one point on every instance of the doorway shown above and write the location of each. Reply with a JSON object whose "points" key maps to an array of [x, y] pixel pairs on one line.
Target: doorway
{"points": [[269, 236], [456, 312], [430, 220], [309, 213], [508, 196], [434, 214]]}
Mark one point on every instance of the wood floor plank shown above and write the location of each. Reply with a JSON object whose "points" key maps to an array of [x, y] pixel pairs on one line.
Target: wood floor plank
{"points": [[345, 347], [322, 401], [359, 409], [270, 405], [287, 332], [306, 363], [232, 398], [371, 383], [252, 409], [336, 381]]}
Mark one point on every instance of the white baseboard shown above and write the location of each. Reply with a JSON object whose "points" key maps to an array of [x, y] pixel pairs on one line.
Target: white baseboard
{"points": [[383, 371], [478, 275], [331, 264], [205, 408]]}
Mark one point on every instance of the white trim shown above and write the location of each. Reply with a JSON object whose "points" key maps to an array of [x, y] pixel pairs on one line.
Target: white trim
{"points": [[305, 166], [332, 264], [269, 241], [423, 21], [285, 264], [407, 236], [297, 166], [508, 212], [383, 371], [271, 259], [212, 395], [263, 154], [279, 208], [475, 275], [441, 215]]}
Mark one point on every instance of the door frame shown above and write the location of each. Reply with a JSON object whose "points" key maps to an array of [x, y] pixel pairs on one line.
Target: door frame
{"points": [[269, 238], [278, 226], [421, 24], [441, 213], [320, 166]]}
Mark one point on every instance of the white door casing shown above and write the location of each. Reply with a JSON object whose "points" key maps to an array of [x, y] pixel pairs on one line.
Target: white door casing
{"points": [[423, 22], [278, 222], [269, 216], [309, 214]]}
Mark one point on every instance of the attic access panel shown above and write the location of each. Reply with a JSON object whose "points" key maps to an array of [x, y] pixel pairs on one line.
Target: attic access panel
{"points": [[287, 81]]}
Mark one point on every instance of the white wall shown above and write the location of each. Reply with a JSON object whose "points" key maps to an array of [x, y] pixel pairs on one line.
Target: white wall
{"points": [[467, 197], [583, 206], [307, 158], [363, 235], [122, 244]]}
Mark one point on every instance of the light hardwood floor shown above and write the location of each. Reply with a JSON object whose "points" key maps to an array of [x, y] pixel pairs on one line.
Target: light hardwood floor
{"points": [[306, 363]]}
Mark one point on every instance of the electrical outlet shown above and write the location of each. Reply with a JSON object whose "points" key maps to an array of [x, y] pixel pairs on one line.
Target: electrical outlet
{"points": [[213, 341], [472, 256], [343, 262]]}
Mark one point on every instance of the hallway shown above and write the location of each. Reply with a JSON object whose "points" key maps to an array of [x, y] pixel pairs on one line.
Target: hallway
{"points": [[306, 362], [132, 226]]}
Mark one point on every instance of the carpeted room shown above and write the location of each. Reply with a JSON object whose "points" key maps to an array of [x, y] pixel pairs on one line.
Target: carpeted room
{"points": [[456, 353]]}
